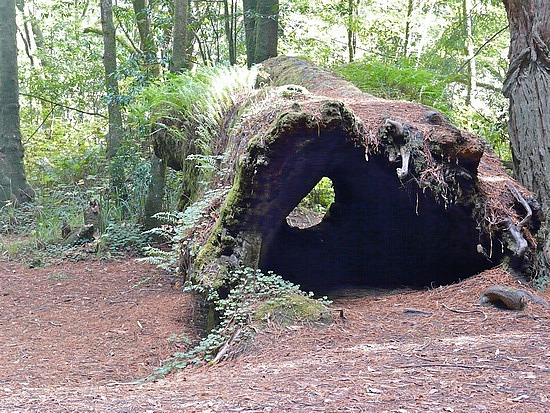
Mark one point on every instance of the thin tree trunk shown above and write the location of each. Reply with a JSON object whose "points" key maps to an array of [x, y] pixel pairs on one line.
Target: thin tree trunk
{"points": [[180, 41], [410, 8], [229, 29], [111, 82], [527, 85], [470, 52], [13, 182], [114, 135], [353, 8], [155, 192]]}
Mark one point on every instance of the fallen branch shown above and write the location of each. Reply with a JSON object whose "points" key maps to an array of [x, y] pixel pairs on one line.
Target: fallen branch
{"points": [[454, 310], [84, 112]]}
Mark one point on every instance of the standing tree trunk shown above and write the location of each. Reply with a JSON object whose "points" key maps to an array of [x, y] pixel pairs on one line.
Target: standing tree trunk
{"points": [[527, 85], [180, 43], [37, 35], [470, 53], [249, 10], [114, 136], [147, 46], [13, 183], [261, 29], [229, 13], [353, 9], [157, 183], [267, 30], [407, 40]]}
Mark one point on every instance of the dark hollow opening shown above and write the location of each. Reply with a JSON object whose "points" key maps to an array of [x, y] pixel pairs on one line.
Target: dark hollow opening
{"points": [[376, 233]]}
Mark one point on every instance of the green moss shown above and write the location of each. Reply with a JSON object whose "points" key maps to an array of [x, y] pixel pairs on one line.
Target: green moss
{"points": [[290, 309]]}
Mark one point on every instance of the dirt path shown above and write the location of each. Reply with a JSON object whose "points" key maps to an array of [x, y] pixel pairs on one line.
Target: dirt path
{"points": [[71, 334]]}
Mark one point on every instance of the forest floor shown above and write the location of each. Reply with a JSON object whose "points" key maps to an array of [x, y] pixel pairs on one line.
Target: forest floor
{"points": [[75, 335]]}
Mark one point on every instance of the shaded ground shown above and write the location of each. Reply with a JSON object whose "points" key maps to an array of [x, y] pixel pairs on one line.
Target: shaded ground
{"points": [[72, 334]]}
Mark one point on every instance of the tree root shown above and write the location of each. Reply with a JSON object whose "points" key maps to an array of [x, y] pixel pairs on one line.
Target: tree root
{"points": [[397, 134], [515, 229]]}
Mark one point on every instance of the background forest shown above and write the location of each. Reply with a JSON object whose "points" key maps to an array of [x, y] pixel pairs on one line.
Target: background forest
{"points": [[451, 55]]}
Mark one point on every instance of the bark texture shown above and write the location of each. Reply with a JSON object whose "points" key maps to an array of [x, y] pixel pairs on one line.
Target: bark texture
{"points": [[114, 137], [417, 201], [249, 10], [180, 41], [157, 182], [527, 85], [261, 29], [13, 182]]}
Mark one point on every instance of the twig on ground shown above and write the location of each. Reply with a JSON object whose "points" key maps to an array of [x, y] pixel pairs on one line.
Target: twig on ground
{"points": [[458, 366], [416, 311], [454, 310]]}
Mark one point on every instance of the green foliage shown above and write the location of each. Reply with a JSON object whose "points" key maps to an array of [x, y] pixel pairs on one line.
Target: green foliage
{"points": [[123, 238], [390, 81], [182, 228], [190, 108], [252, 295], [201, 96], [320, 198], [436, 90]]}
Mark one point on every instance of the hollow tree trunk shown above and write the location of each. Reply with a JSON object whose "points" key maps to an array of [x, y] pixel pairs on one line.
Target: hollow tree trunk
{"points": [[527, 85], [417, 201]]}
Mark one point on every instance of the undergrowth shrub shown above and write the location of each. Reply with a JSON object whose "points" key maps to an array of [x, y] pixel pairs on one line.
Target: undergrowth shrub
{"points": [[123, 238], [393, 82], [253, 296]]}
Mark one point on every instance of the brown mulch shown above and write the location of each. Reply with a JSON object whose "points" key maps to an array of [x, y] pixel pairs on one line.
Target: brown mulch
{"points": [[72, 335], [89, 322]]}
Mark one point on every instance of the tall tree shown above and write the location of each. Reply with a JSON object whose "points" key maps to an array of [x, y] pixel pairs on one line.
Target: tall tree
{"points": [[249, 10], [262, 33], [230, 23], [527, 86], [353, 10], [469, 49], [13, 182], [114, 136], [157, 183], [179, 40]]}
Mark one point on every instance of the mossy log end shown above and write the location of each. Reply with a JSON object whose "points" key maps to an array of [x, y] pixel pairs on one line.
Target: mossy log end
{"points": [[417, 201]]}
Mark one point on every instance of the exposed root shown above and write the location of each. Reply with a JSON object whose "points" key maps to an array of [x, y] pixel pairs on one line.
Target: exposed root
{"points": [[515, 229], [397, 135]]}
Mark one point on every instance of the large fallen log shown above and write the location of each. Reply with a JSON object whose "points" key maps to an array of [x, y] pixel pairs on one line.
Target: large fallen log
{"points": [[417, 201]]}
